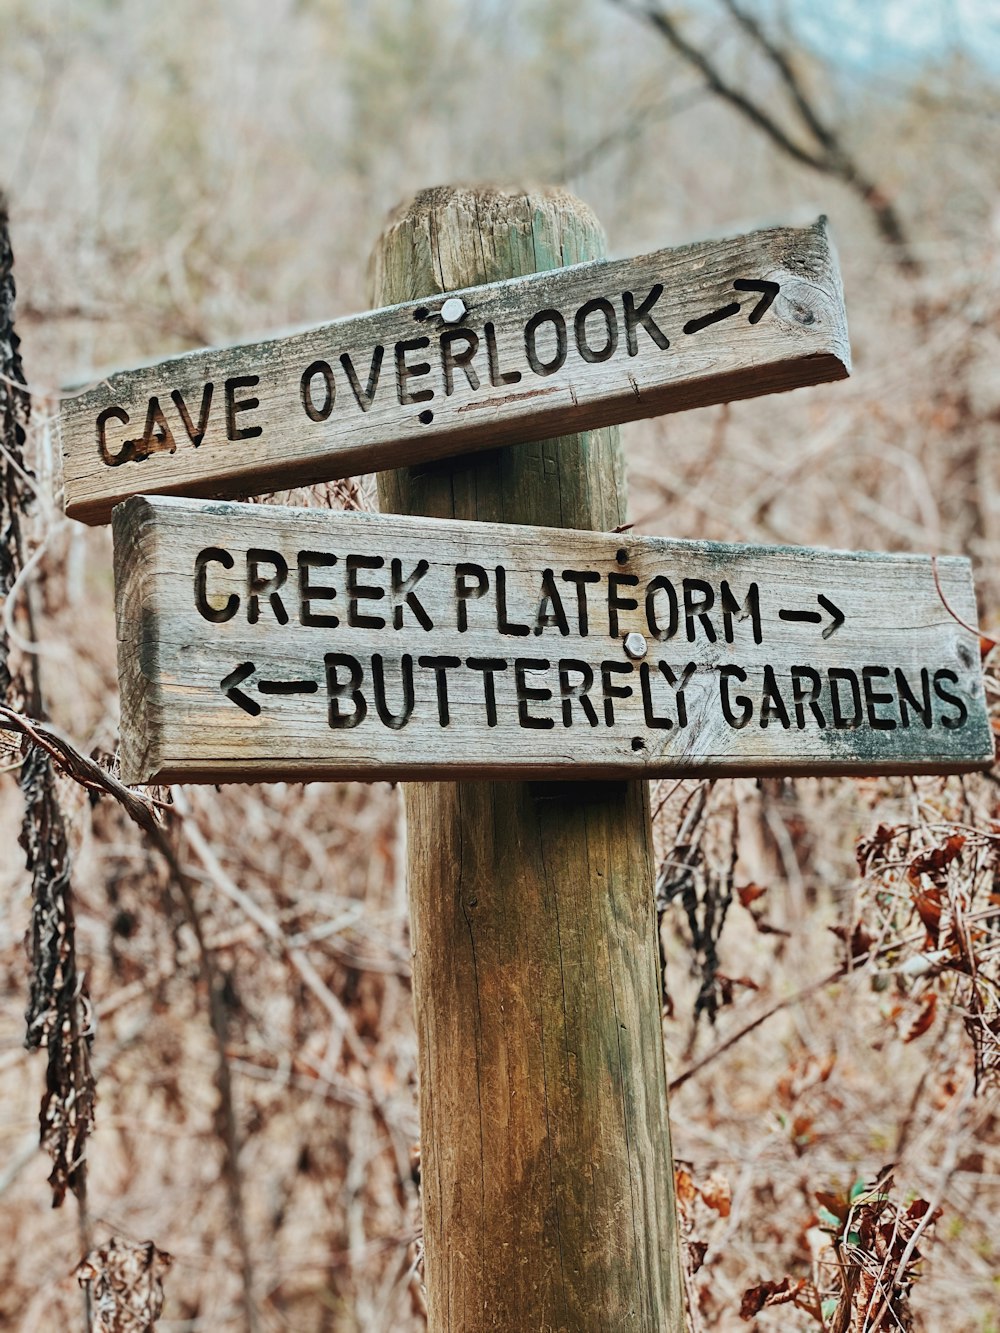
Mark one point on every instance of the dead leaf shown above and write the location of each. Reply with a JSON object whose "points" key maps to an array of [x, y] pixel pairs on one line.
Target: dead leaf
{"points": [[871, 852], [924, 1019], [802, 1132], [749, 893], [695, 1251], [126, 1285], [717, 1193], [765, 1294], [935, 862], [684, 1186], [860, 940], [837, 1204], [929, 906]]}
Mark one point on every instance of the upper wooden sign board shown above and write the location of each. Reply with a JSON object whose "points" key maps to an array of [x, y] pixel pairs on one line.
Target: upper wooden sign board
{"points": [[534, 357], [258, 643]]}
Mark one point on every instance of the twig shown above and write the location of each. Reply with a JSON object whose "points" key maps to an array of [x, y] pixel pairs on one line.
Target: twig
{"points": [[24, 574], [227, 1112], [631, 129], [297, 957], [947, 1170], [94, 778], [143, 812], [837, 975], [87, 772], [984, 639], [302, 963]]}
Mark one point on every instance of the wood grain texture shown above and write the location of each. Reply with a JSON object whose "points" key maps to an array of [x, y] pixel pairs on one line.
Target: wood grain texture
{"points": [[541, 355], [263, 643], [546, 1163]]}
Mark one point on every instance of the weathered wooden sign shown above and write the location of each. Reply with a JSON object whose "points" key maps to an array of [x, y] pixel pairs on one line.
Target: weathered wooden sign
{"points": [[266, 643], [538, 356]]}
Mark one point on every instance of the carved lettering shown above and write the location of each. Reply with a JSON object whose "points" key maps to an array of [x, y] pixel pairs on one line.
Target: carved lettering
{"points": [[550, 608], [526, 693], [654, 623], [404, 596], [580, 578], [395, 721], [616, 603], [640, 316], [260, 585], [216, 614], [366, 396], [489, 666], [452, 358], [195, 433], [531, 329], [464, 590], [338, 690], [125, 452], [235, 405], [579, 690], [736, 719], [504, 624], [363, 592], [610, 690], [605, 310], [405, 372], [310, 592], [498, 377], [321, 410], [441, 665]]}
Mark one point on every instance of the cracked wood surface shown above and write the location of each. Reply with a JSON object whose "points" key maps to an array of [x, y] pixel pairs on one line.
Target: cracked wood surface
{"points": [[590, 344], [546, 1164]]}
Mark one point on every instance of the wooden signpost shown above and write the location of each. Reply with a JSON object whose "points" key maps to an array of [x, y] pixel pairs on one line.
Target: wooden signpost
{"points": [[261, 644], [258, 643], [519, 359]]}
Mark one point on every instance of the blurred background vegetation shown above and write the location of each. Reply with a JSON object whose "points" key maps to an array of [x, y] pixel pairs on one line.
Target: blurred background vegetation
{"points": [[206, 171]]}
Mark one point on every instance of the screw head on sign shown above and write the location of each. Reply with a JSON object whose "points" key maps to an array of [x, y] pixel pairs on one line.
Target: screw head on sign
{"points": [[635, 646], [453, 310]]}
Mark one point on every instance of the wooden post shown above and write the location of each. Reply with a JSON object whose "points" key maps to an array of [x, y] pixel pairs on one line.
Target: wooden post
{"points": [[546, 1163]]}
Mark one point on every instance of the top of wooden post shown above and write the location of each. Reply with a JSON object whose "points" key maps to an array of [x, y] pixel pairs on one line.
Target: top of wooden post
{"points": [[451, 237], [517, 231]]}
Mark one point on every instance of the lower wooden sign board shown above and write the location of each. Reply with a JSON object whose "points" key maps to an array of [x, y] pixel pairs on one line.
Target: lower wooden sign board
{"points": [[262, 643]]}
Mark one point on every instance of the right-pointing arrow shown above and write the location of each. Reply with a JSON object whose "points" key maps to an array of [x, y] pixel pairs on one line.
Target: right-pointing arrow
{"points": [[833, 610], [229, 686], [814, 617], [769, 290]]}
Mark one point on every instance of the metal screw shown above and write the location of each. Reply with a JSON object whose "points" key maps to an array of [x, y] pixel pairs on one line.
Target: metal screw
{"points": [[635, 646], [453, 310]]}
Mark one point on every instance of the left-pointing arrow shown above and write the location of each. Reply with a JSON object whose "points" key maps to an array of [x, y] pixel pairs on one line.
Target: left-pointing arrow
{"points": [[230, 688]]}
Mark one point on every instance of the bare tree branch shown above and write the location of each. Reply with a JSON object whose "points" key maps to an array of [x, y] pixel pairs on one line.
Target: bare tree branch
{"points": [[821, 132], [87, 772], [829, 155], [630, 129]]}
